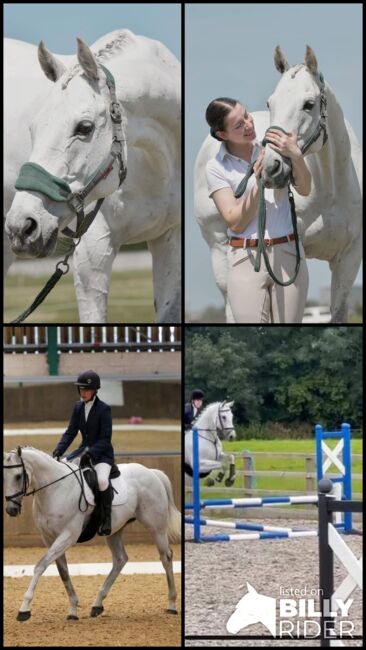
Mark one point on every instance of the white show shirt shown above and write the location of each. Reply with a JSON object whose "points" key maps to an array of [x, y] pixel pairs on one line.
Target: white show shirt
{"points": [[227, 170], [88, 406]]}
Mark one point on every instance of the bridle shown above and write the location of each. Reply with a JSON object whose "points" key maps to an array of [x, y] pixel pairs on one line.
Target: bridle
{"points": [[321, 127], [34, 177], [25, 485], [222, 428], [25, 478]]}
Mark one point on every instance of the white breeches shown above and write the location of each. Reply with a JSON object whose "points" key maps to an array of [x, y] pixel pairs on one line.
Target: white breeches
{"points": [[103, 470]]}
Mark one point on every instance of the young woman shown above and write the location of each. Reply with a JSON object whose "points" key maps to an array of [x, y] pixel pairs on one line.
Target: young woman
{"points": [[93, 419], [253, 296], [193, 408]]}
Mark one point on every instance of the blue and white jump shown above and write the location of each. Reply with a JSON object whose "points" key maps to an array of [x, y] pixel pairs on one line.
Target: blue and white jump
{"points": [[340, 456]]}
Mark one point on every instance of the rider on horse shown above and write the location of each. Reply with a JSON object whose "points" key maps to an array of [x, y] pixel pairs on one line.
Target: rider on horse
{"points": [[93, 419], [193, 408]]}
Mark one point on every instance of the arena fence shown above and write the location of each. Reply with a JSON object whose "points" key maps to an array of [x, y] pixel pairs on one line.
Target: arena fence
{"points": [[74, 338]]}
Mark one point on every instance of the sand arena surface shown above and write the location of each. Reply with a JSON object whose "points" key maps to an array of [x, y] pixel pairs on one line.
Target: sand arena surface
{"points": [[134, 609]]}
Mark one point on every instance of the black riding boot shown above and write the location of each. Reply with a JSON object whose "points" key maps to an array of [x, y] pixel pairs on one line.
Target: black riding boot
{"points": [[106, 501]]}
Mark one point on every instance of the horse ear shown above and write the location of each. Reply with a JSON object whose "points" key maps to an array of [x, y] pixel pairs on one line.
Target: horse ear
{"points": [[251, 589], [280, 61], [230, 404], [51, 66], [310, 60], [87, 60]]}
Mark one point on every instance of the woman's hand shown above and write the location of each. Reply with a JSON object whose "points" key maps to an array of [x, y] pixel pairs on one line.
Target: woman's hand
{"points": [[284, 143], [258, 165]]}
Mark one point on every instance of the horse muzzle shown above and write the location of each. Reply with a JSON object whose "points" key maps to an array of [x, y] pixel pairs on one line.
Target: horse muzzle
{"points": [[276, 172], [26, 237], [13, 509]]}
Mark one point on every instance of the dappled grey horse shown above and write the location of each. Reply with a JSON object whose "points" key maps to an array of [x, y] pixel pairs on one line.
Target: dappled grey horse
{"points": [[121, 100], [214, 424], [62, 506], [329, 219]]}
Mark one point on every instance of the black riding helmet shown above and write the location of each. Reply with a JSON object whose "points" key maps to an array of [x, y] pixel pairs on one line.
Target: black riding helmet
{"points": [[197, 394], [88, 379]]}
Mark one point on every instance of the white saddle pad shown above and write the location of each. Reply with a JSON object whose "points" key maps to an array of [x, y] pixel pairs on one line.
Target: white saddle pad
{"points": [[120, 492]]}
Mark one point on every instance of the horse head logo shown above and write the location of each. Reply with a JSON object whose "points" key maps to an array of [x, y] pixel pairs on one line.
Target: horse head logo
{"points": [[253, 608]]}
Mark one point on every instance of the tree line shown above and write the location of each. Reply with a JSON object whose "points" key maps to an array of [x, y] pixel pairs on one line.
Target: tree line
{"points": [[279, 374]]}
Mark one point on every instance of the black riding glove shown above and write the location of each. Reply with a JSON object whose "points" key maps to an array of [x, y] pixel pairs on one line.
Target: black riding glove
{"points": [[56, 453]]}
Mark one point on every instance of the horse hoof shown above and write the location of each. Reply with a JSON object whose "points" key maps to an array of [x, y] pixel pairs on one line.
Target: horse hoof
{"points": [[95, 611], [172, 611], [23, 616], [229, 482], [71, 617]]}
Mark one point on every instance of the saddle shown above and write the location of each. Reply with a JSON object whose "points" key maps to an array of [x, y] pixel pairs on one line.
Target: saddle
{"points": [[90, 476], [188, 470]]}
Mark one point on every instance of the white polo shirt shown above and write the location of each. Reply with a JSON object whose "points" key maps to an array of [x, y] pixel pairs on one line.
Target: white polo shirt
{"points": [[227, 170]]}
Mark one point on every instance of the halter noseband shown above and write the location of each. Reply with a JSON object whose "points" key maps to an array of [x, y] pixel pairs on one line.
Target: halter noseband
{"points": [[34, 177]]}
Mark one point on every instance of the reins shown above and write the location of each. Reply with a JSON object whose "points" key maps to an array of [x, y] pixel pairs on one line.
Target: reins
{"points": [[262, 216], [24, 491]]}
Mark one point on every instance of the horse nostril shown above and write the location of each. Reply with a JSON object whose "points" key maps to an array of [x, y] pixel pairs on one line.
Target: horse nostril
{"points": [[30, 226], [276, 166]]}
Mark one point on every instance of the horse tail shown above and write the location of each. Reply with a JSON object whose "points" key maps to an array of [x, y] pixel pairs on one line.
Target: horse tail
{"points": [[174, 516]]}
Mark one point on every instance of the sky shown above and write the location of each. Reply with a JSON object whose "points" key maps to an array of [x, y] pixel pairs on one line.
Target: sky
{"points": [[229, 52], [58, 24]]}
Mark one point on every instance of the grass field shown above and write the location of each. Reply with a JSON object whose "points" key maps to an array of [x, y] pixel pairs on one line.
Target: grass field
{"points": [[130, 299], [286, 485]]}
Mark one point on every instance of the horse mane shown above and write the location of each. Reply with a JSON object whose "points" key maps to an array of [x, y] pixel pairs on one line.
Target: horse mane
{"points": [[209, 406], [120, 39]]}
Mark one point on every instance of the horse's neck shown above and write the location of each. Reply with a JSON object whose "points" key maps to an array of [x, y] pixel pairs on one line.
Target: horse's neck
{"points": [[330, 167], [207, 421], [40, 467]]}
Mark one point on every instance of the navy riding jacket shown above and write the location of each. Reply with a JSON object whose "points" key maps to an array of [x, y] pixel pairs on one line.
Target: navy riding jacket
{"points": [[96, 432], [189, 418]]}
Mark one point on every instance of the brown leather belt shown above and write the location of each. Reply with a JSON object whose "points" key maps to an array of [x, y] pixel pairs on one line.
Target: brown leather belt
{"points": [[239, 242]]}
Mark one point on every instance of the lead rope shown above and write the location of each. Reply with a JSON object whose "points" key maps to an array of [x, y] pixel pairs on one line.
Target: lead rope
{"points": [[262, 248], [58, 273]]}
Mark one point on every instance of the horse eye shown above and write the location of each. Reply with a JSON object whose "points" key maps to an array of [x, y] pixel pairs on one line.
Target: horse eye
{"points": [[18, 477], [84, 128], [308, 106]]}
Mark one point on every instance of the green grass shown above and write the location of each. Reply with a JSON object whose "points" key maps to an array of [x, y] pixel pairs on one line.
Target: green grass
{"points": [[130, 299], [285, 484]]}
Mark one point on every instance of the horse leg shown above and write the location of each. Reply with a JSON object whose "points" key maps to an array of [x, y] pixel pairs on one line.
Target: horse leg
{"points": [[9, 256], [232, 471], [59, 546], [165, 251], [63, 570], [93, 259], [344, 269], [166, 557], [120, 558]]}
